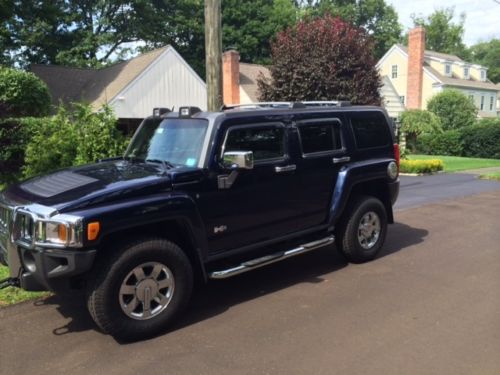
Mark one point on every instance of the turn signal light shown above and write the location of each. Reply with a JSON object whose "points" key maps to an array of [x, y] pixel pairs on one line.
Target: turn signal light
{"points": [[62, 232], [93, 230]]}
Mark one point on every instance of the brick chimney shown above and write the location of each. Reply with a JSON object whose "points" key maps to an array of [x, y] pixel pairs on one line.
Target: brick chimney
{"points": [[416, 48], [231, 77]]}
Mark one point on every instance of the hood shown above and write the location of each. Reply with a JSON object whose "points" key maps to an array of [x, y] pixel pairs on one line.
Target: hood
{"points": [[92, 184]]}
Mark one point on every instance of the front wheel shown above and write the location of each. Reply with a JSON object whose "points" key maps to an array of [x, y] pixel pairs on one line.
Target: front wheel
{"points": [[136, 291], [363, 230]]}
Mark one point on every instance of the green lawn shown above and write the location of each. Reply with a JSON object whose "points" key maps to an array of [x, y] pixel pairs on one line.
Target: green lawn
{"points": [[491, 176], [9, 296], [455, 163]]}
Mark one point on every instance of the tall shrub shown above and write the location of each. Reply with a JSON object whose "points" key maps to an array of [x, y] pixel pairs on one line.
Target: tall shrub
{"points": [[322, 59], [415, 122], [454, 109]]}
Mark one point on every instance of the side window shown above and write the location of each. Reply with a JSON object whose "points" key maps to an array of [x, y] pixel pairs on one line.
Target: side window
{"points": [[370, 129], [266, 142], [319, 137]]}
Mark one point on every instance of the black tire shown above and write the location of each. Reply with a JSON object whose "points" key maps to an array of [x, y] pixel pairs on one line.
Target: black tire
{"points": [[356, 245], [104, 288]]}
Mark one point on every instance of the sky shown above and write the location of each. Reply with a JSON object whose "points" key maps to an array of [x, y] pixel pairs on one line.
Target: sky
{"points": [[482, 21]]}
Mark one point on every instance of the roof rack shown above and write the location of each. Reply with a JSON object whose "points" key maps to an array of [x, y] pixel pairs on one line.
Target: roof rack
{"points": [[304, 104]]}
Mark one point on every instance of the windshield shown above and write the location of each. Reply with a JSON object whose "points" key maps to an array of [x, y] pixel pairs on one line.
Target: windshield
{"points": [[176, 141]]}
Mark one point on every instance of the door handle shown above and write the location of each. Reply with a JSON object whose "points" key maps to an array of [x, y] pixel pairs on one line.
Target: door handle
{"points": [[286, 168], [344, 159]]}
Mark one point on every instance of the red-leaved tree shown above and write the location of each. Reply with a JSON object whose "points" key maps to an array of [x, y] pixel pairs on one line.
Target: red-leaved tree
{"points": [[322, 59]]}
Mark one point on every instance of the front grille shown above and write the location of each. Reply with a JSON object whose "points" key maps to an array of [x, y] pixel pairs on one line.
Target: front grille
{"points": [[23, 228], [5, 224]]}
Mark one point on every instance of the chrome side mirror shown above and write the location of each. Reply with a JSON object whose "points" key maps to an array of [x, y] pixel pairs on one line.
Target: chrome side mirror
{"points": [[238, 159]]}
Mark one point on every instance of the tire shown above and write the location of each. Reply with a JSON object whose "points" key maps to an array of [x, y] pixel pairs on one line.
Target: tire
{"points": [[153, 274], [363, 229]]}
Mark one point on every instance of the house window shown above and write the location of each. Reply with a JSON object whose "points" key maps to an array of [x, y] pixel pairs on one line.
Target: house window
{"points": [[492, 99], [447, 69], [402, 99], [466, 73], [394, 71], [483, 75], [482, 102]]}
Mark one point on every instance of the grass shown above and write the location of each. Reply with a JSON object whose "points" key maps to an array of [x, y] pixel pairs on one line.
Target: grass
{"points": [[490, 176], [455, 163], [10, 295]]}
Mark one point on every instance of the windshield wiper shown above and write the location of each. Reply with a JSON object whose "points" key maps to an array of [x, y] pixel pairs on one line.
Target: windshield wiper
{"points": [[166, 164]]}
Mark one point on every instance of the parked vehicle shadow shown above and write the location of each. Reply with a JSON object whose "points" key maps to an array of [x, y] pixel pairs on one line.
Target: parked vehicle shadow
{"points": [[218, 296]]}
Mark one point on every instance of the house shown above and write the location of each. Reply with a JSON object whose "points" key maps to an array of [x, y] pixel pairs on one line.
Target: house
{"points": [[240, 79], [417, 74], [160, 78]]}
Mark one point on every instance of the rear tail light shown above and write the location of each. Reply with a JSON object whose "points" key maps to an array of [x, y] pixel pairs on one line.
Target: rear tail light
{"points": [[396, 154]]}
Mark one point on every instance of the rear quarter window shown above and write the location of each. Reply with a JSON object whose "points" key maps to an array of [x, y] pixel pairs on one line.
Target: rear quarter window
{"points": [[370, 130]]}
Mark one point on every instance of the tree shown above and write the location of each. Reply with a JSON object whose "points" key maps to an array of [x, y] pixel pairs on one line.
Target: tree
{"points": [[376, 17], [415, 122], [22, 94], [322, 59], [488, 54], [442, 34], [454, 109]]}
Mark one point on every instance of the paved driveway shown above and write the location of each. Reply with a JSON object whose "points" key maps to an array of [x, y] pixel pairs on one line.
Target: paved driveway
{"points": [[429, 305]]}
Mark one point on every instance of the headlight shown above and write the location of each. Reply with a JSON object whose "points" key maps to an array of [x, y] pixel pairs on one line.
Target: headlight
{"points": [[61, 230]]}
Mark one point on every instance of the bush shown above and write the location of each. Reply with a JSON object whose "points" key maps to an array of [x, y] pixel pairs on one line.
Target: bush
{"points": [[482, 140], [454, 109], [415, 122], [72, 138], [421, 166], [322, 59], [22, 94], [447, 143]]}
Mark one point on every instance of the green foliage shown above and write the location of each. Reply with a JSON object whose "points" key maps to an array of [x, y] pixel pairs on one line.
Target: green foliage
{"points": [[415, 122], [421, 166], [22, 94], [488, 54], [376, 17], [454, 109], [14, 137], [322, 59], [447, 143], [480, 141], [442, 34], [11, 295], [72, 138]]}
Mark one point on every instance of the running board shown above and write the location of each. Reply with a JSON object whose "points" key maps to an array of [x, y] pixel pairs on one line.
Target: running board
{"points": [[273, 258]]}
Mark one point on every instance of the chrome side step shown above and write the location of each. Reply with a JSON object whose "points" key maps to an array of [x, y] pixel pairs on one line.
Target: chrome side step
{"points": [[272, 258]]}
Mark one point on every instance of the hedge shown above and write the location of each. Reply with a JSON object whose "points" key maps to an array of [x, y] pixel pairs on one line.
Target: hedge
{"points": [[480, 141], [421, 166]]}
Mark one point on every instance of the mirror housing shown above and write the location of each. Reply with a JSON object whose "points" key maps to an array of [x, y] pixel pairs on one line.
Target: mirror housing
{"points": [[238, 159]]}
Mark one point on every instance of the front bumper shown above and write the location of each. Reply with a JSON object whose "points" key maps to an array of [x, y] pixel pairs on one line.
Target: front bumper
{"points": [[48, 269]]}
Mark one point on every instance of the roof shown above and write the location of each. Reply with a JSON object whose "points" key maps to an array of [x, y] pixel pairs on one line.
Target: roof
{"points": [[248, 78], [95, 86], [439, 55]]}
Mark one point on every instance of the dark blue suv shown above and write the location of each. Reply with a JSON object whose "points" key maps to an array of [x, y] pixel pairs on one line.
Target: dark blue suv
{"points": [[202, 194]]}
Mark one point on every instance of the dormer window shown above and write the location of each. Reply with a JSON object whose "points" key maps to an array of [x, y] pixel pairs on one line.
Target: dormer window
{"points": [[483, 75], [466, 72], [447, 69]]}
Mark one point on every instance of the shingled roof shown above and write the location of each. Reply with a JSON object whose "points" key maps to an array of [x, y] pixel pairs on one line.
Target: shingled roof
{"points": [[248, 78], [94, 86]]}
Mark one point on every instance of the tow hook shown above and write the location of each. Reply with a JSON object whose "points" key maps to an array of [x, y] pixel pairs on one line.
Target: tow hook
{"points": [[10, 281]]}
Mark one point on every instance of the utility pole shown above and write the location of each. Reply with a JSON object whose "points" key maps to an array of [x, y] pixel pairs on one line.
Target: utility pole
{"points": [[213, 54]]}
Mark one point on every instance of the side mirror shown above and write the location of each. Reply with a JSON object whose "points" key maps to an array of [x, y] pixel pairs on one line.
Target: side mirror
{"points": [[238, 159]]}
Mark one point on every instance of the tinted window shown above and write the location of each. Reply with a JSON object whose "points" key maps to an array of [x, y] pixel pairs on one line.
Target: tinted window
{"points": [[320, 137], [370, 129], [265, 142]]}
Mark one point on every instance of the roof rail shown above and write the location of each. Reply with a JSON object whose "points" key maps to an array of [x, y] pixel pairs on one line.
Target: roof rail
{"points": [[304, 104]]}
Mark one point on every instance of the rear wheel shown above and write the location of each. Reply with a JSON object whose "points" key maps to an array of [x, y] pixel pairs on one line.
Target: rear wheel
{"points": [[137, 290], [363, 230]]}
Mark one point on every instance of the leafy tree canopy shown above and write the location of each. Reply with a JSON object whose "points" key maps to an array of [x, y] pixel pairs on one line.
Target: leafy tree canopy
{"points": [[454, 109], [442, 34], [322, 59], [488, 54]]}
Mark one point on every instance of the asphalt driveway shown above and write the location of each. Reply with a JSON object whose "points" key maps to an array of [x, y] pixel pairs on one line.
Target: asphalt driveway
{"points": [[428, 305]]}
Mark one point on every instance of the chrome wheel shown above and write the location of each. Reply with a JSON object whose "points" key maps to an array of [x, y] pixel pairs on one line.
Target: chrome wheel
{"points": [[146, 291], [369, 230]]}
